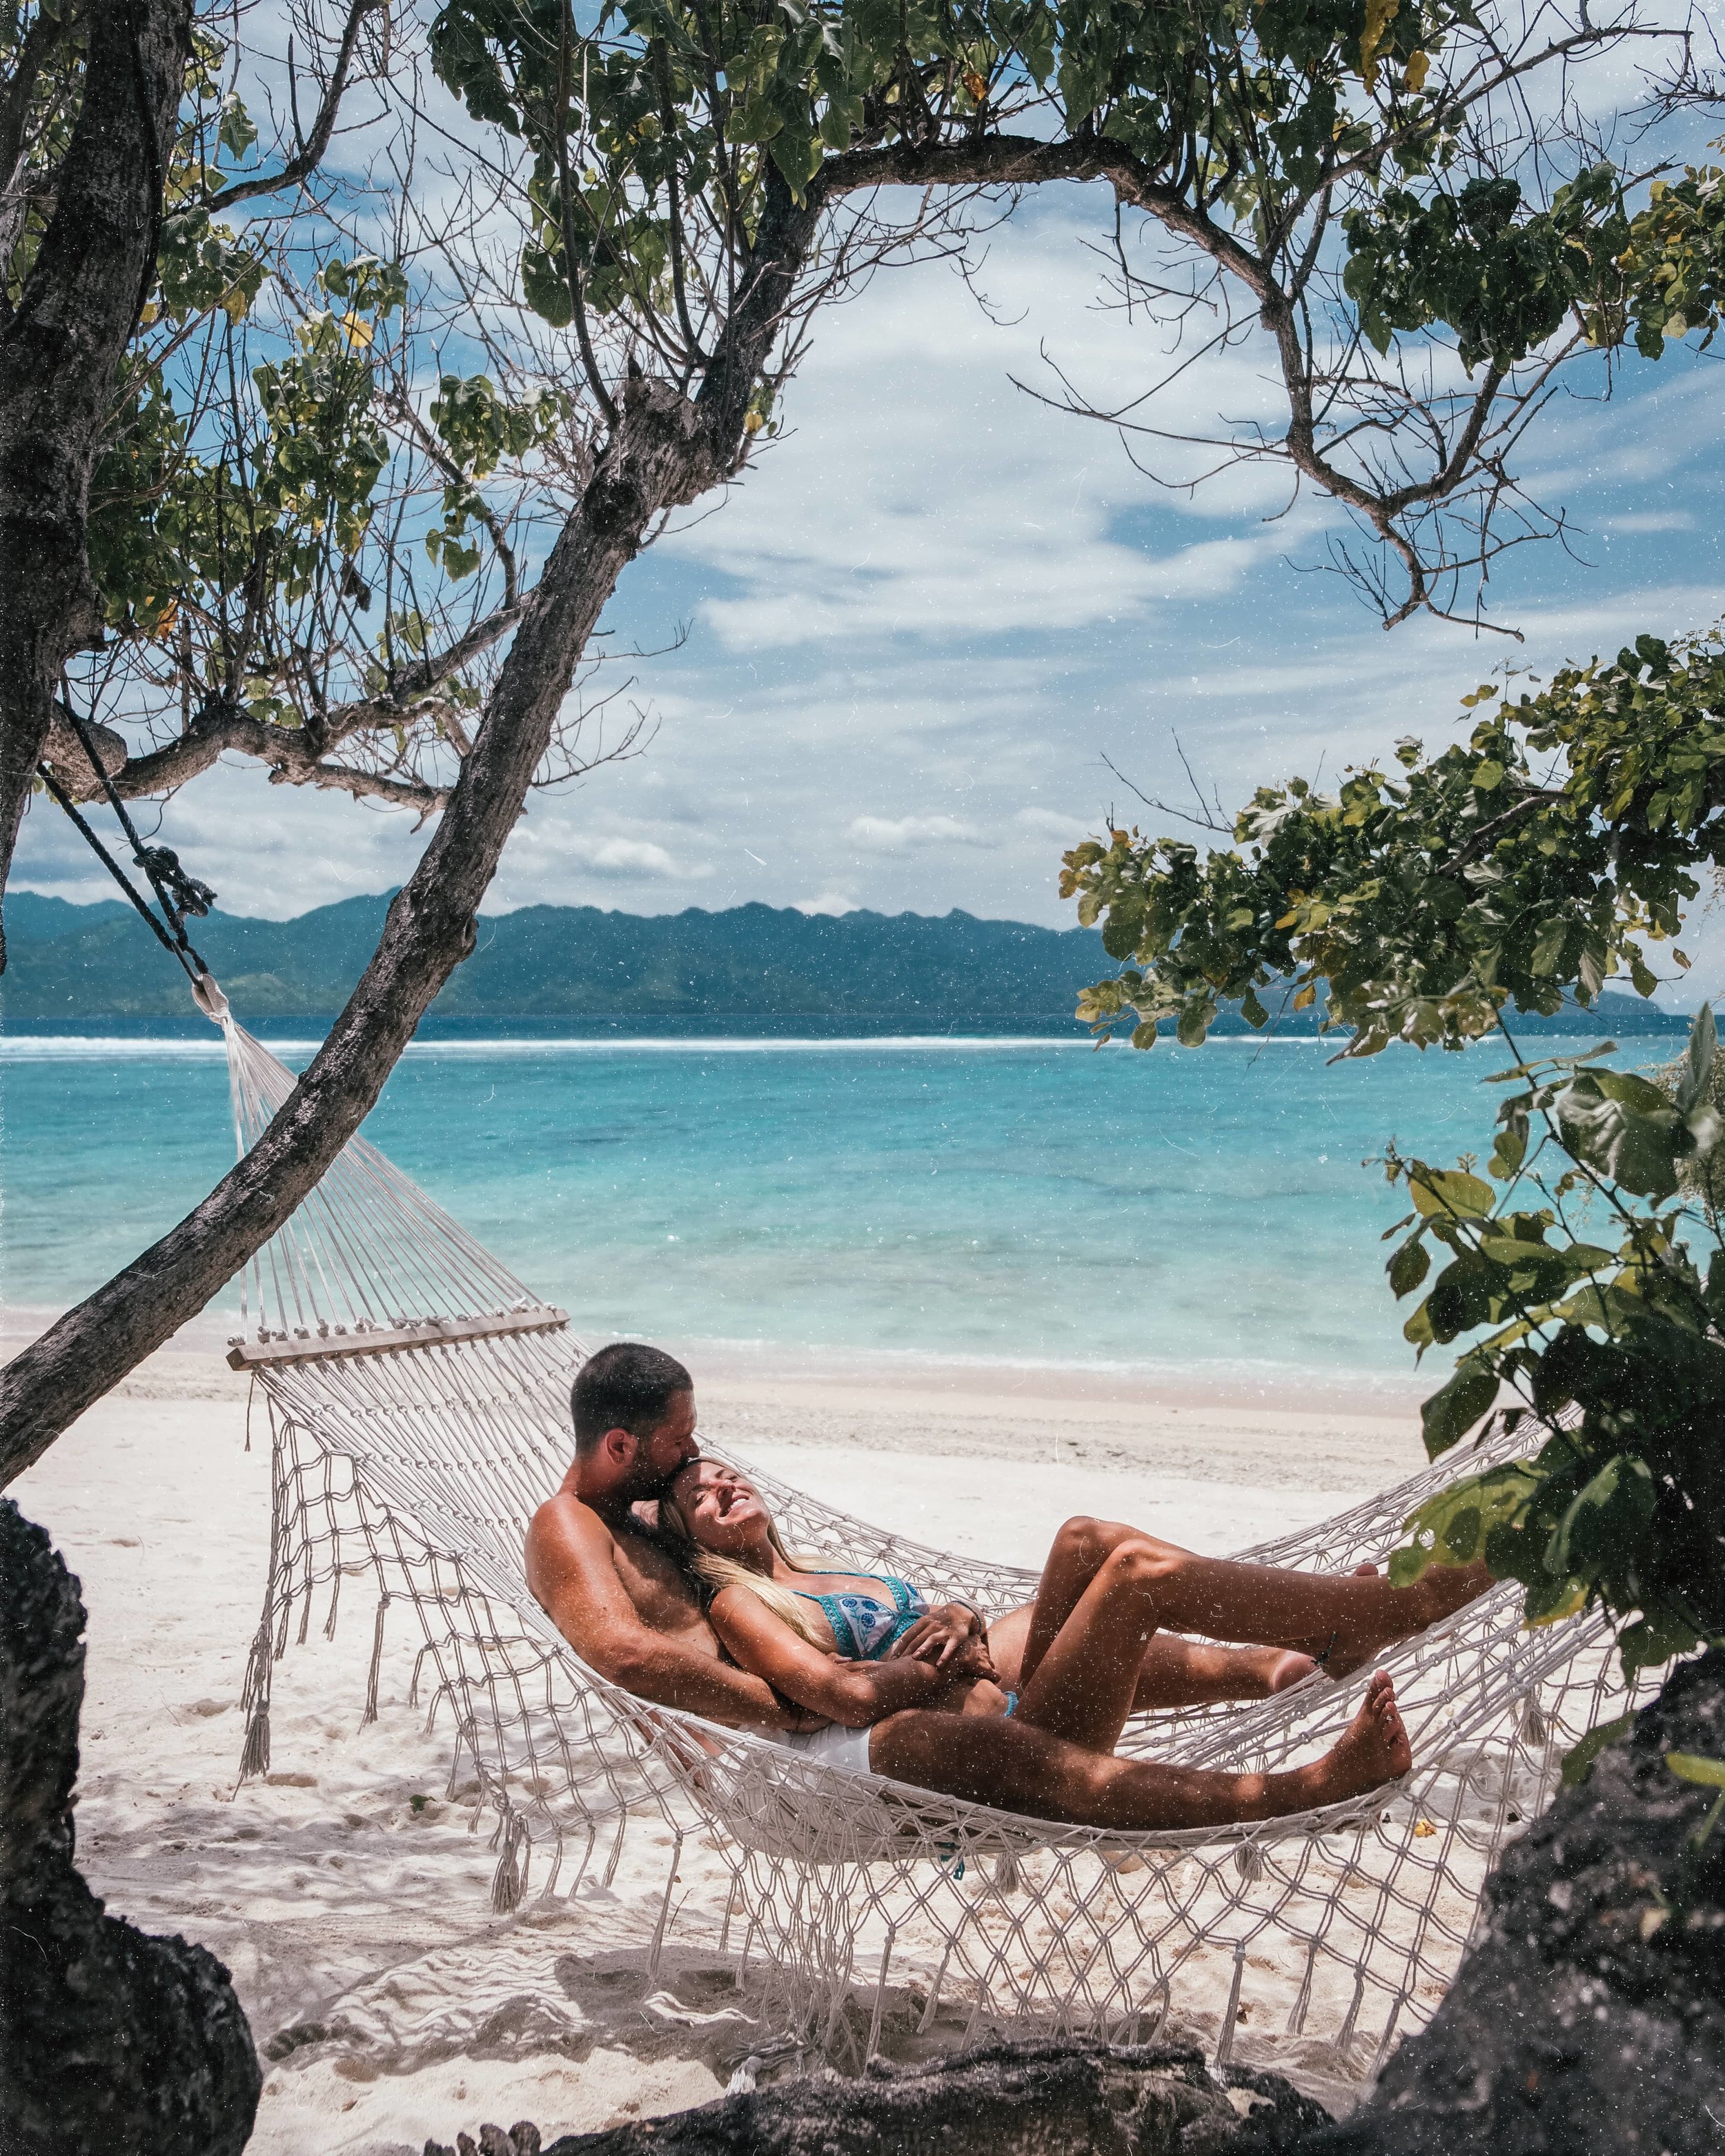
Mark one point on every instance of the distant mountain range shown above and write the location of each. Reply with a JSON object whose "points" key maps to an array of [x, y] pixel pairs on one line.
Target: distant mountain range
{"points": [[575, 966]]}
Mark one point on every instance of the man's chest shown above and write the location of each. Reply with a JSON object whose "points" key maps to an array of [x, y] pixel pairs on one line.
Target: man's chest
{"points": [[659, 1592]]}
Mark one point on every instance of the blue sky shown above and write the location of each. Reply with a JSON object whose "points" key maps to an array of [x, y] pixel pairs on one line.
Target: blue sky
{"points": [[917, 626]]}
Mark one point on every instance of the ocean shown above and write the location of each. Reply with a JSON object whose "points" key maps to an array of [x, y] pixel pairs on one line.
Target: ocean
{"points": [[1002, 1200]]}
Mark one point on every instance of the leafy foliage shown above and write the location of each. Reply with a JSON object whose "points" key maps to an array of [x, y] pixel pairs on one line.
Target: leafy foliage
{"points": [[1538, 859], [1503, 274], [1582, 1277], [1579, 1278]]}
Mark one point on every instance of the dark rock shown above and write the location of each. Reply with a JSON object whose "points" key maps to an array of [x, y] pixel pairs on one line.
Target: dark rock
{"points": [[1006, 2100], [110, 2041], [1590, 2018]]}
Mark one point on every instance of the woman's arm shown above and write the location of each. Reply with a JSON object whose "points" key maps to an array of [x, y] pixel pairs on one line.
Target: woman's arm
{"points": [[855, 1693]]}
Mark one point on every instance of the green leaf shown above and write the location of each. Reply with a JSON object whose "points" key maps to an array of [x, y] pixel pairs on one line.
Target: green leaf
{"points": [[1653, 1640], [1578, 1759], [1448, 1416], [1510, 1147], [1408, 1267], [1605, 1521], [1631, 1091], [1698, 1062], [1694, 1767], [1449, 1193], [1606, 1126]]}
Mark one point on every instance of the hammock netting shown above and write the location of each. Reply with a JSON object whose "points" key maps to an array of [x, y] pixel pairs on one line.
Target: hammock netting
{"points": [[418, 1397]]}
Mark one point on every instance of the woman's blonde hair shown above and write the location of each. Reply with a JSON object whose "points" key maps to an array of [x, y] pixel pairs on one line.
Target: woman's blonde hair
{"points": [[714, 1572]]}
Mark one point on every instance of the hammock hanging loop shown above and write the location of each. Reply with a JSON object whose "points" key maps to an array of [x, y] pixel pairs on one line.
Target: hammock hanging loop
{"points": [[206, 994]]}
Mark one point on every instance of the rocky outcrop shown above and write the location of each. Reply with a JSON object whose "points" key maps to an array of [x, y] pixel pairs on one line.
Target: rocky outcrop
{"points": [[1590, 2020], [1006, 2100], [110, 2042]]}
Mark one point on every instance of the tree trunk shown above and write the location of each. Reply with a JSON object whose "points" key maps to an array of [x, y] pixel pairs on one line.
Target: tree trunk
{"points": [[666, 450], [1590, 2018], [110, 2041], [60, 353], [1003, 2100]]}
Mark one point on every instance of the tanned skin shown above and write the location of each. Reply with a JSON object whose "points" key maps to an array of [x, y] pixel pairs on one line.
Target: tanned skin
{"points": [[1055, 1758], [626, 1607], [622, 1601]]}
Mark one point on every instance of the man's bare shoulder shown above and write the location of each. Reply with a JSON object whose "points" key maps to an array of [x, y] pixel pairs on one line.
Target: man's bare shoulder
{"points": [[567, 1529]]}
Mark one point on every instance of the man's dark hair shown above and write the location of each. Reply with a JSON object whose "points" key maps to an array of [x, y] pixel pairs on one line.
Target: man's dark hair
{"points": [[626, 1386]]}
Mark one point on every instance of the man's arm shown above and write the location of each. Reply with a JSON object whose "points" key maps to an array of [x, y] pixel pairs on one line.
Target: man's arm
{"points": [[571, 1570]]}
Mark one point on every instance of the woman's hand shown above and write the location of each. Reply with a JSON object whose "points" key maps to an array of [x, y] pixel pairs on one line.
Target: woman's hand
{"points": [[945, 1631]]}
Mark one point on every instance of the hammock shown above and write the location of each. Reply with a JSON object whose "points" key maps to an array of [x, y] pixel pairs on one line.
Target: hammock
{"points": [[418, 1402]]}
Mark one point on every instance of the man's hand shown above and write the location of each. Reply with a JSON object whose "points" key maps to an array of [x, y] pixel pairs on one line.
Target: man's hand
{"points": [[795, 1721], [945, 1631]]}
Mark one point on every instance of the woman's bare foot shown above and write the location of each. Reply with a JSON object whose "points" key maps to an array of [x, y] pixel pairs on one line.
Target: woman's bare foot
{"points": [[1287, 1670], [1372, 1750]]}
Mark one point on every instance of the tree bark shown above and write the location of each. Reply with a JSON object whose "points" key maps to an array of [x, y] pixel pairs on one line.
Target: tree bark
{"points": [[110, 2041], [1003, 2100], [60, 352], [666, 449], [1589, 2020]]}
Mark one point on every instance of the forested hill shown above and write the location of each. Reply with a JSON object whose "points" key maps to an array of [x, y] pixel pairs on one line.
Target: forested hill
{"points": [[567, 962], [576, 965]]}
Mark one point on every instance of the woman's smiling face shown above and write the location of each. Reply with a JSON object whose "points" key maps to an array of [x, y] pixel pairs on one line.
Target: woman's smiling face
{"points": [[722, 1509]]}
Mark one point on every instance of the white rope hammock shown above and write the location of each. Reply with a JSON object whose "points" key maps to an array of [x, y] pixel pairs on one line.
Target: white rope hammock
{"points": [[418, 1397]]}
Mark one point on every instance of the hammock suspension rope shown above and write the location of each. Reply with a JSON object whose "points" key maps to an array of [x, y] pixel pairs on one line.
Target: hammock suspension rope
{"points": [[177, 892]]}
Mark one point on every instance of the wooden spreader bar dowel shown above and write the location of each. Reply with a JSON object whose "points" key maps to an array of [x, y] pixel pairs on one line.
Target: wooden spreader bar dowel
{"points": [[330, 1347]]}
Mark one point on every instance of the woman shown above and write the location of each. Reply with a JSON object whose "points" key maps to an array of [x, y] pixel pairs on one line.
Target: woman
{"points": [[909, 1689]]}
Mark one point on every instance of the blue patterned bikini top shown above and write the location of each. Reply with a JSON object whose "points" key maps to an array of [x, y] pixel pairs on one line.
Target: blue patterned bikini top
{"points": [[864, 1629]]}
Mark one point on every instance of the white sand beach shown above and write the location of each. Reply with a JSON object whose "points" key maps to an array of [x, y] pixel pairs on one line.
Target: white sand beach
{"points": [[348, 1897]]}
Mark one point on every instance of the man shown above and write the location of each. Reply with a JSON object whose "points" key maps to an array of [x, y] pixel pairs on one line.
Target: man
{"points": [[616, 1594], [599, 1571]]}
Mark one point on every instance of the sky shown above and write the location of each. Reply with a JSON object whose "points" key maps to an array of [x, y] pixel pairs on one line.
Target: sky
{"points": [[913, 632]]}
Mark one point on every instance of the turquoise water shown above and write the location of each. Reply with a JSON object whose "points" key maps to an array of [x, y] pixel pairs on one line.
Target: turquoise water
{"points": [[1024, 1201]]}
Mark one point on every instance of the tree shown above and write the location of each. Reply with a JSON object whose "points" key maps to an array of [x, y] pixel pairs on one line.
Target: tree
{"points": [[1426, 269], [104, 195]]}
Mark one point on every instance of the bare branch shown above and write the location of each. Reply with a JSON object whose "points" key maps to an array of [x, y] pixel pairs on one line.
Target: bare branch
{"points": [[310, 155]]}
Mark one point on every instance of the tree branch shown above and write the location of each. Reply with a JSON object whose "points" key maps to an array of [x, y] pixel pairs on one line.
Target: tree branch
{"points": [[59, 354], [310, 155], [664, 452]]}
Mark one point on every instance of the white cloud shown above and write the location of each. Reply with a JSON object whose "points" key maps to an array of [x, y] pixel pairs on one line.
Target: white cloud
{"points": [[631, 857], [830, 901], [1050, 824], [1650, 520], [886, 835]]}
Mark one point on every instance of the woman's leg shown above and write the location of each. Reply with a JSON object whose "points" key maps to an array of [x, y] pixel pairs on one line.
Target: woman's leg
{"points": [[1094, 1674], [1175, 1671], [1024, 1769], [1340, 1622], [1181, 1672]]}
